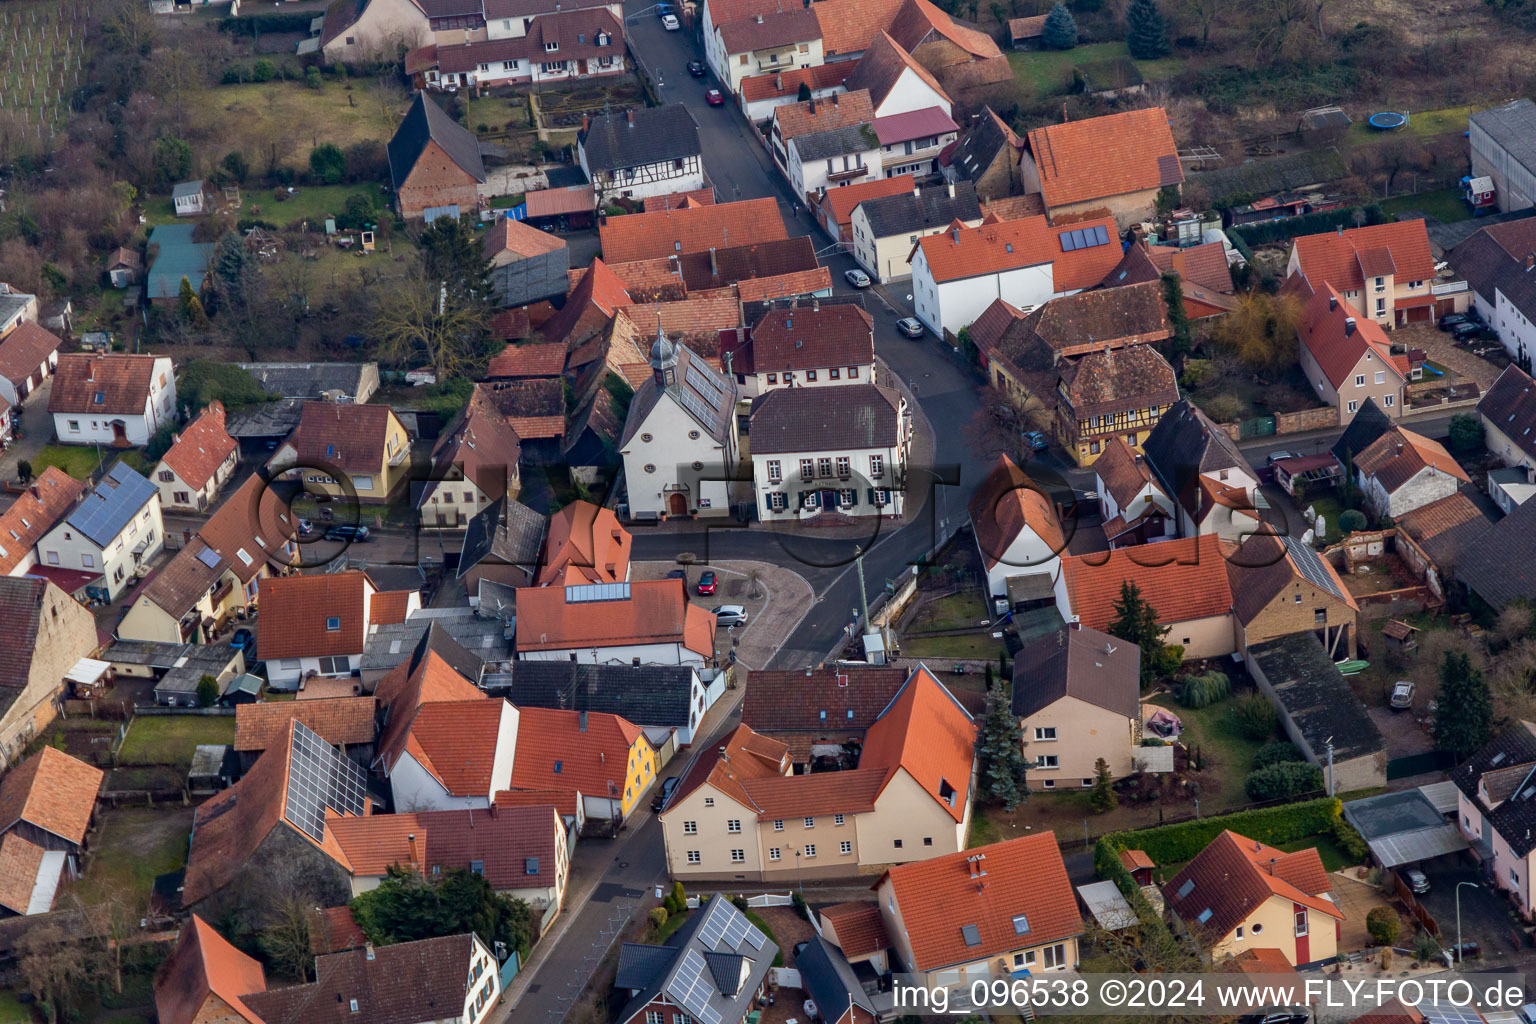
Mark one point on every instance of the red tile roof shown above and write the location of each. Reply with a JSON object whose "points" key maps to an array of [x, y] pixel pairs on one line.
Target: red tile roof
{"points": [[679, 200], [334, 929], [639, 236], [552, 202], [521, 240], [787, 83], [882, 66], [564, 801], [586, 750], [503, 841], [793, 700], [860, 931], [938, 898], [534, 408], [849, 26], [1204, 265], [784, 286], [205, 964], [296, 613], [810, 338], [34, 513], [1234, 876], [20, 864], [1007, 503], [994, 320], [346, 435], [656, 612], [970, 252], [1397, 456], [201, 448], [122, 379], [389, 607], [457, 742], [841, 201], [53, 791], [482, 443], [895, 129], [810, 116], [928, 734], [1182, 579], [1135, 860], [1100, 157], [1122, 472], [1346, 258], [340, 721], [512, 324], [585, 544], [1338, 348], [25, 349], [403, 691], [1264, 960], [919, 19]]}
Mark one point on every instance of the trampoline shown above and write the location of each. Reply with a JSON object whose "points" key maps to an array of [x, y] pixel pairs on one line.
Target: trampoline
{"points": [[1387, 120]]}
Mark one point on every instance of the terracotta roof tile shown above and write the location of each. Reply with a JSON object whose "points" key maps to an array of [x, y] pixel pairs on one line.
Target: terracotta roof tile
{"points": [[795, 796], [201, 448], [482, 443], [656, 611], [552, 202], [587, 750], [1446, 528], [811, 116], [1265, 960], [1397, 456], [1014, 207], [20, 863], [1026, 28], [697, 319], [1135, 860], [512, 324], [585, 544], [1509, 406], [848, 26], [520, 239], [723, 12], [390, 607], [1182, 579], [784, 286], [1336, 347], [783, 27], [1264, 568], [564, 801], [860, 931], [841, 201], [820, 336], [403, 691], [1100, 157], [640, 236], [25, 349], [1340, 258], [52, 791], [534, 408], [787, 83], [745, 755], [988, 328], [503, 842], [333, 929], [882, 66], [1007, 503], [920, 19], [590, 305], [535, 359], [122, 380], [678, 200], [296, 613], [205, 964], [1204, 265], [340, 721], [458, 741], [986, 250], [1233, 876], [36, 511], [1073, 325], [1122, 472], [926, 733], [939, 897], [794, 701]]}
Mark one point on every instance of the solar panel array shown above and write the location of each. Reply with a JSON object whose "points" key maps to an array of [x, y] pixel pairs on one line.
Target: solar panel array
{"points": [[714, 927], [705, 383], [1311, 566], [692, 987], [210, 558], [108, 509], [588, 592], [1449, 1013], [320, 777], [1084, 238], [699, 409]]}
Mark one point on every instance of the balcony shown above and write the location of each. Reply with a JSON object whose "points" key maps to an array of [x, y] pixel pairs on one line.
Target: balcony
{"points": [[782, 60], [220, 592], [399, 456], [848, 175]]}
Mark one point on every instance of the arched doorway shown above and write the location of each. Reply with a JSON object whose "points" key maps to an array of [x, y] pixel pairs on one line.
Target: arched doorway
{"points": [[677, 504]]}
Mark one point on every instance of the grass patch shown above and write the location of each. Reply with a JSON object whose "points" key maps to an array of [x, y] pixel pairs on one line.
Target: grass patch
{"points": [[172, 739], [497, 112], [1048, 72], [299, 118], [983, 647], [1334, 858], [79, 461], [1443, 204], [12, 1011], [507, 202], [135, 846], [1423, 124], [1330, 508], [983, 831], [674, 922], [1214, 731], [312, 203], [961, 610]]}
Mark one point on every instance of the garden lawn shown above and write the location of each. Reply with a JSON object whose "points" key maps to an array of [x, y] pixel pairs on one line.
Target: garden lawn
{"points": [[172, 739], [497, 112], [1048, 72], [1423, 124], [297, 118], [312, 203], [11, 1011], [79, 461], [1329, 507], [1443, 204], [134, 846], [961, 610], [1334, 858], [1229, 754], [976, 646]]}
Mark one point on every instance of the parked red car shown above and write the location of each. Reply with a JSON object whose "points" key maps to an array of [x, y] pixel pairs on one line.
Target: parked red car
{"points": [[707, 582], [714, 98]]}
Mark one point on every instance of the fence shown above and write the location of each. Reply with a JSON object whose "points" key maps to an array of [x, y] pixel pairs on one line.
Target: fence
{"points": [[1399, 888], [157, 709], [770, 900], [117, 710]]}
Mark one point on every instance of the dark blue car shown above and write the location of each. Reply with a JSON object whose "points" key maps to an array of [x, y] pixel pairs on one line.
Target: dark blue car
{"points": [[243, 641]]}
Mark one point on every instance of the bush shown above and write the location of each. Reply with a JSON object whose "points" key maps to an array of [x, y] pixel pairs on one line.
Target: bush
{"points": [[313, 79], [1425, 947], [263, 70], [1283, 781], [1175, 844], [1466, 433], [1352, 843], [658, 916], [235, 165], [800, 907], [1255, 716], [1223, 408], [207, 691], [1351, 521], [1204, 690], [1309, 224], [327, 163], [1278, 752], [1384, 925]]}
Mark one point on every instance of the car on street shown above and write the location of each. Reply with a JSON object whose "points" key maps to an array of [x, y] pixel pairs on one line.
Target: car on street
{"points": [[670, 23], [696, 68], [911, 326], [715, 98], [707, 582], [664, 10], [1402, 695], [1281, 456], [730, 615], [346, 531], [243, 640], [306, 527], [668, 786], [1037, 441], [1417, 880], [857, 278]]}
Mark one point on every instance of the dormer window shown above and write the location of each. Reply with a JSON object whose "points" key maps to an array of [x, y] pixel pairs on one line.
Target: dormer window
{"points": [[101, 398], [551, 47], [603, 39]]}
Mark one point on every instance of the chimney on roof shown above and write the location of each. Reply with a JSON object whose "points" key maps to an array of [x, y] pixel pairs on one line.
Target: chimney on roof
{"points": [[631, 113], [714, 263], [1333, 303], [951, 190], [812, 102], [411, 839], [1530, 260], [916, 191], [367, 952], [778, 82], [834, 99], [759, 19], [815, 304], [586, 122], [583, 720], [1349, 326]]}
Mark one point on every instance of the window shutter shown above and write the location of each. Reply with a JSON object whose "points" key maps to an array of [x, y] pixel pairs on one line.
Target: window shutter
{"points": [[871, 495]]}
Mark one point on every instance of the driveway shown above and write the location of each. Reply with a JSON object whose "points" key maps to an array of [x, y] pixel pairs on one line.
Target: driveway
{"points": [[35, 428], [1438, 345], [1484, 915]]}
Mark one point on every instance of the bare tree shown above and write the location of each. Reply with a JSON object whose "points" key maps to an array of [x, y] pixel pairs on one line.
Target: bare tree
{"points": [[1205, 13], [996, 428], [60, 969], [422, 321], [287, 939]]}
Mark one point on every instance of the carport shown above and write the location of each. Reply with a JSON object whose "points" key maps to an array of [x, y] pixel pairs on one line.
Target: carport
{"points": [[1403, 828]]}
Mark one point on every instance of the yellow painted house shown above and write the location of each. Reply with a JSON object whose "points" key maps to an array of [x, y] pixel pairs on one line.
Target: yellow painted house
{"points": [[605, 758], [340, 448]]}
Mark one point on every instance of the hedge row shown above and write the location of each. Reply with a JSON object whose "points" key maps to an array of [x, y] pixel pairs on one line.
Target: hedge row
{"points": [[256, 24], [1106, 861], [1271, 231], [1174, 844]]}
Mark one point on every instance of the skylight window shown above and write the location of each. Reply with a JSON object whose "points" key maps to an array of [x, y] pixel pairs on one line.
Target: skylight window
{"points": [[1020, 924], [971, 934], [1187, 888], [333, 623], [244, 556], [101, 398], [1205, 915]]}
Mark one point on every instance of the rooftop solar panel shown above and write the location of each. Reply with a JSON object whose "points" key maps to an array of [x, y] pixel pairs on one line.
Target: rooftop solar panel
{"points": [[108, 509], [1067, 244], [699, 410], [1310, 565], [588, 592], [209, 557], [704, 383], [319, 778], [715, 925]]}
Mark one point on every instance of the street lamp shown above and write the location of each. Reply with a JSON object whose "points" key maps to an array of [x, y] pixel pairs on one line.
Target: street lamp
{"points": [[800, 881], [1458, 916]]}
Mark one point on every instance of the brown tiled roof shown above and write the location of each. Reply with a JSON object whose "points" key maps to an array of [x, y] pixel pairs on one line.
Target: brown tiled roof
{"points": [[697, 319], [588, 750], [1122, 471], [811, 338], [1078, 662], [882, 66], [795, 796], [35, 512], [920, 19], [738, 263], [201, 448], [585, 544], [457, 742], [1071, 156], [1026, 28], [1204, 265], [1004, 505], [503, 841], [1134, 860], [1445, 528], [848, 26], [778, 28], [987, 329], [535, 409], [390, 607], [639, 236], [342, 434], [589, 306], [564, 801], [522, 240], [939, 898], [124, 258], [25, 349], [1324, 324], [1014, 207], [340, 721], [970, 252], [784, 286], [794, 701], [295, 611], [121, 379], [511, 324], [787, 83], [1397, 456], [654, 280], [20, 862], [1137, 377], [812, 117], [205, 964], [482, 443], [677, 200], [1067, 325], [334, 929], [1182, 580], [743, 756], [52, 791], [1341, 258], [1509, 406], [860, 930], [723, 12], [787, 420], [656, 611], [1234, 876], [1263, 568]]}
